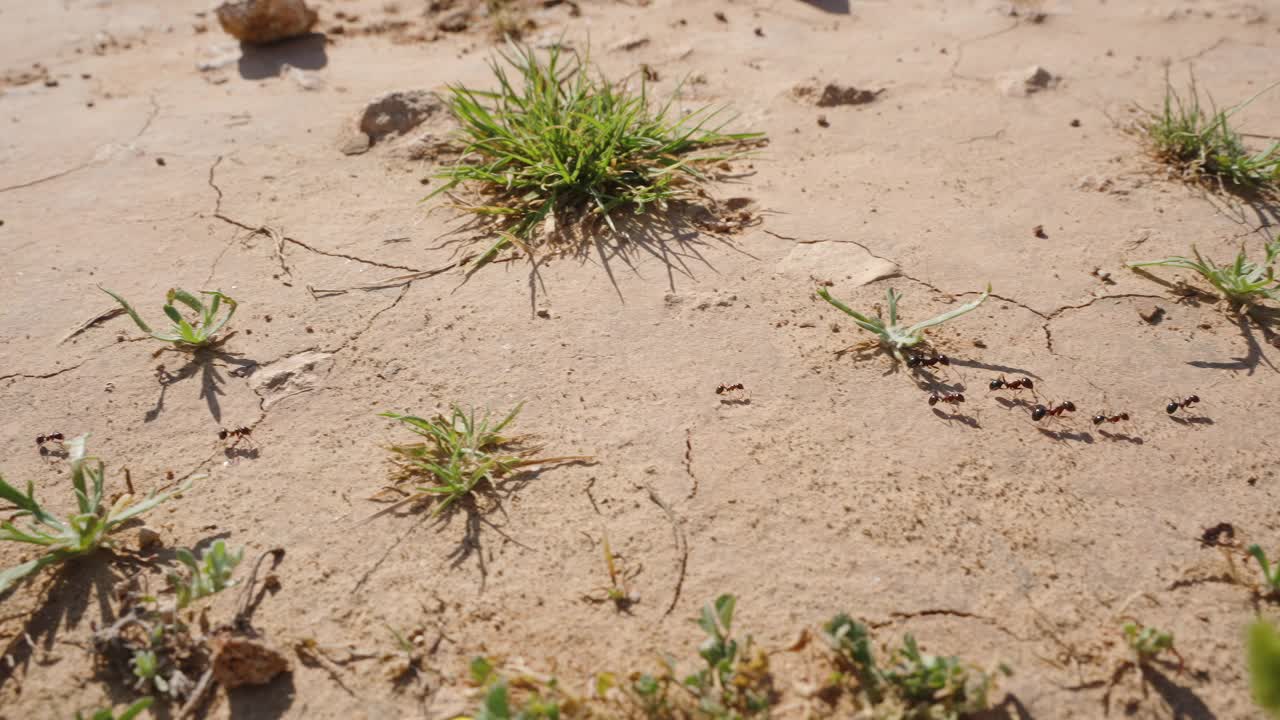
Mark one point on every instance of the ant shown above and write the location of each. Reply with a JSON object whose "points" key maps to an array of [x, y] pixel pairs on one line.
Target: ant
{"points": [[722, 389], [1186, 402], [1000, 383], [1101, 418], [51, 437], [239, 434], [954, 398], [1040, 411], [915, 361]]}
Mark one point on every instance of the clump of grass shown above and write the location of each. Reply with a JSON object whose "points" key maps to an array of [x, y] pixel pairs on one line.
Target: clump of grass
{"points": [[913, 684], [555, 144], [539, 699], [81, 533], [1201, 144], [1242, 282], [197, 333], [1263, 645], [460, 453], [894, 337], [129, 713]]}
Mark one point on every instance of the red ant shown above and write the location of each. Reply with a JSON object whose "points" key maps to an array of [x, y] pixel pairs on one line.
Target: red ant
{"points": [[954, 398], [1000, 383], [51, 437], [1101, 418], [915, 361], [1040, 411], [722, 389], [1186, 402], [239, 434]]}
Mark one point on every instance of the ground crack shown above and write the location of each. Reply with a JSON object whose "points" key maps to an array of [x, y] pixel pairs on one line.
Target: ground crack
{"points": [[281, 238], [404, 290], [44, 376]]}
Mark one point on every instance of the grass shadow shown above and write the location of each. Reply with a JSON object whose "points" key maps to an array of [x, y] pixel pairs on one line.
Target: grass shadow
{"points": [[206, 362]]}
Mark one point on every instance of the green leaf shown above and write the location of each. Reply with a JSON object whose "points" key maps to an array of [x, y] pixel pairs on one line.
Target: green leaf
{"points": [[129, 309], [136, 708], [724, 611], [1263, 646], [950, 315], [10, 576]]}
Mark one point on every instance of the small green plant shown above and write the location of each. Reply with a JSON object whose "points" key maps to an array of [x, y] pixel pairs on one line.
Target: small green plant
{"points": [[1270, 573], [146, 668], [1148, 643], [893, 336], [618, 591], [735, 682], [197, 333], [556, 144], [461, 453], [206, 576], [79, 534], [914, 684], [1264, 666], [1202, 144], [1241, 282], [129, 713], [541, 700]]}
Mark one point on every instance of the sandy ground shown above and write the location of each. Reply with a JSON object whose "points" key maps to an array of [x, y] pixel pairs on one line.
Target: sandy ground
{"points": [[835, 488]]}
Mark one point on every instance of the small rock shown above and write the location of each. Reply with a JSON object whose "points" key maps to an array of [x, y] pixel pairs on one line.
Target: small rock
{"points": [[1152, 314], [1039, 232], [398, 112], [147, 539], [544, 314], [1075, 122], [239, 660], [265, 21], [822, 121], [455, 21], [1021, 83], [721, 17], [304, 79], [160, 161], [833, 95], [630, 43]]}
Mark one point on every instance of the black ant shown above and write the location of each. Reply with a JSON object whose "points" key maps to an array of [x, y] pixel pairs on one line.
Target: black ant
{"points": [[51, 437], [915, 361], [1101, 418], [722, 389], [1040, 411], [954, 398], [1000, 383], [1186, 402]]}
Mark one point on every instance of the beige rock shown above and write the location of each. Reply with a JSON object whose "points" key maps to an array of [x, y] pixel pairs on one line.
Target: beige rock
{"points": [[1024, 82], [265, 21]]}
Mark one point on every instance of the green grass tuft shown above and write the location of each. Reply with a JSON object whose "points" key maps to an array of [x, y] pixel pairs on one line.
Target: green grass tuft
{"points": [[556, 144], [1201, 144]]}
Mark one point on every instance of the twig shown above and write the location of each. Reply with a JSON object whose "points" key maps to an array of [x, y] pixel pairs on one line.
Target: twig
{"points": [[197, 696], [682, 546]]}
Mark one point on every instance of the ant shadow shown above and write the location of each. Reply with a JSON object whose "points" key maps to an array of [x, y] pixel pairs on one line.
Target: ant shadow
{"points": [[957, 416], [1011, 708], [1067, 435], [933, 383], [1009, 404], [205, 361], [1121, 437]]}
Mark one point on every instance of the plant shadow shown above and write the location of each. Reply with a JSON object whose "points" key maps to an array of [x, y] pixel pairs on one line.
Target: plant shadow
{"points": [[1183, 702], [65, 598], [1264, 319], [206, 362]]}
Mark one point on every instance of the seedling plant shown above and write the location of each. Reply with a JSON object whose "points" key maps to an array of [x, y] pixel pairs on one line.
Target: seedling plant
{"points": [[1203, 144], [188, 334], [460, 453], [1270, 573], [894, 337], [540, 700], [914, 684], [1147, 643], [555, 144], [204, 577], [81, 533], [618, 591], [1242, 282]]}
